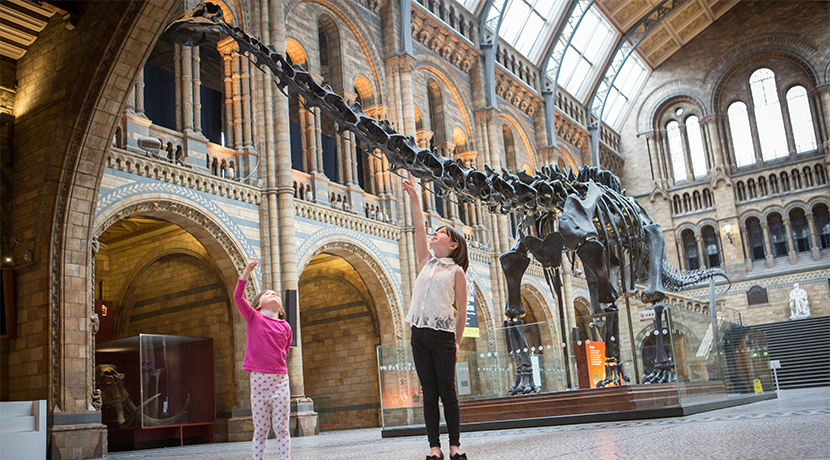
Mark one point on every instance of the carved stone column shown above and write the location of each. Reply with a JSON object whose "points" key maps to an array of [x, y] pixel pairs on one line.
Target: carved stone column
{"points": [[186, 88], [304, 420], [139, 93], [747, 248], [197, 89], [225, 49], [767, 244], [788, 229], [701, 251], [814, 249]]}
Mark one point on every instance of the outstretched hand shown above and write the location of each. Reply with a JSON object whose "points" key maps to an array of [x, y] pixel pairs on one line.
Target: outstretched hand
{"points": [[408, 186], [252, 263]]}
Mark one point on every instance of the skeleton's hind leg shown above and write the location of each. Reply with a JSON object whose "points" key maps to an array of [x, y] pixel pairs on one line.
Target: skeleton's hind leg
{"points": [[654, 292]]}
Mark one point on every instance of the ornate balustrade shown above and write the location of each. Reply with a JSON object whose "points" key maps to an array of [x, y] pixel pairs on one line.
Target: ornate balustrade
{"points": [[779, 181], [194, 178], [516, 91], [518, 65], [340, 218], [692, 198]]}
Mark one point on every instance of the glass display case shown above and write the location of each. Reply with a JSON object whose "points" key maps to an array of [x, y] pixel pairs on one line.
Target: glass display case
{"points": [[157, 390], [689, 359]]}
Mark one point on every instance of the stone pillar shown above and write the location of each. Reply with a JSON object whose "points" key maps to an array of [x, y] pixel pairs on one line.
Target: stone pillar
{"points": [[139, 93], [710, 124], [303, 418], [767, 244], [790, 242], [747, 248], [197, 90], [308, 131], [236, 83], [186, 88], [814, 249], [681, 252], [225, 49], [245, 78], [824, 102], [177, 77]]}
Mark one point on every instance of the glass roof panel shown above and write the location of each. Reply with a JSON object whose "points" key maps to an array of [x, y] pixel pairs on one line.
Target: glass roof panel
{"points": [[514, 21]]}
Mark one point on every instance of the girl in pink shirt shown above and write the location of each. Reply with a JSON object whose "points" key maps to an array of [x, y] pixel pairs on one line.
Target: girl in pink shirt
{"points": [[269, 337]]}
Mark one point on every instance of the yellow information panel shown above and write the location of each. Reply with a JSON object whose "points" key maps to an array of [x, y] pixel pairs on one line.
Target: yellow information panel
{"points": [[759, 389]]}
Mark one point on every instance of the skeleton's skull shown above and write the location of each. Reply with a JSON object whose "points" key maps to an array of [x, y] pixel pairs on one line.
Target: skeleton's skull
{"points": [[107, 374]]}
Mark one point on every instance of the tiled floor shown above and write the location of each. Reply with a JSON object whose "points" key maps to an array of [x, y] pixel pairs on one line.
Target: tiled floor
{"points": [[794, 426]]}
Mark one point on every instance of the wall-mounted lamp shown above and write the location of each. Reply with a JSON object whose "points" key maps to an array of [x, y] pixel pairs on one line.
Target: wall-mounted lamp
{"points": [[726, 228]]}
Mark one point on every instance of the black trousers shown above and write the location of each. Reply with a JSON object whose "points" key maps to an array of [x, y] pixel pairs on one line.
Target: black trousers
{"points": [[434, 355]]}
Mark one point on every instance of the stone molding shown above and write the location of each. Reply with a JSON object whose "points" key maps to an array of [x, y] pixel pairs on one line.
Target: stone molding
{"points": [[436, 36], [515, 91], [164, 171], [336, 217]]}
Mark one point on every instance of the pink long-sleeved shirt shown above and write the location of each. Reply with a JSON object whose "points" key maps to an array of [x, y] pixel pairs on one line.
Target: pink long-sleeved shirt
{"points": [[268, 339]]}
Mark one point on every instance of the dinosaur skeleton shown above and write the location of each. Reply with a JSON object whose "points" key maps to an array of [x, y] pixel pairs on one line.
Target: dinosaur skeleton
{"points": [[588, 213], [116, 397]]}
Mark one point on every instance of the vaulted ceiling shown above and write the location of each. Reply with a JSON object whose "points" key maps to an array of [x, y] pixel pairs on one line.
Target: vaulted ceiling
{"points": [[682, 25]]}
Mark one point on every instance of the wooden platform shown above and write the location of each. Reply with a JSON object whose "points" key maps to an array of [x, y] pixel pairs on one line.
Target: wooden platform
{"points": [[627, 402]]}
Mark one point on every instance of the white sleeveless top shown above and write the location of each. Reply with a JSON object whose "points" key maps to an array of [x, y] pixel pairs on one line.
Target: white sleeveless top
{"points": [[433, 296]]}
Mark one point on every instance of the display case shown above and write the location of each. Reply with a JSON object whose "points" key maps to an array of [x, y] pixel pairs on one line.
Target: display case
{"points": [[688, 358], [157, 390]]}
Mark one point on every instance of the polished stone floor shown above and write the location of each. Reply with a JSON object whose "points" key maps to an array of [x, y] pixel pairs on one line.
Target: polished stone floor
{"points": [[796, 425]]}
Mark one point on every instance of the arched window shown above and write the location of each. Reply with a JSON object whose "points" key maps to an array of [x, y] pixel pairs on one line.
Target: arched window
{"points": [[762, 186], [711, 246], [690, 251], [678, 158], [750, 188], [777, 235], [768, 116], [741, 190], [801, 232], [677, 207], [687, 202], [796, 179], [801, 119], [697, 201], [756, 238], [822, 218], [696, 146], [741, 134]]}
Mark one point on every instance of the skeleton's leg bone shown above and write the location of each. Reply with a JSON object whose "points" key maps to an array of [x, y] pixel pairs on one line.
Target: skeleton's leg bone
{"points": [[654, 292], [592, 257], [514, 265], [513, 351]]}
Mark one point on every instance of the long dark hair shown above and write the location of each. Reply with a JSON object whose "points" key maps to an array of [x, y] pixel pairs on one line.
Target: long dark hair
{"points": [[459, 254]]}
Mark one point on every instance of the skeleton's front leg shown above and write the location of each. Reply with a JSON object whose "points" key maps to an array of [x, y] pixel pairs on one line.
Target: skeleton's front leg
{"points": [[514, 263]]}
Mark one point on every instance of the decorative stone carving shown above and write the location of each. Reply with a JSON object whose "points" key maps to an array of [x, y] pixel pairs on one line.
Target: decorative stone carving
{"points": [[799, 305], [445, 41], [516, 92]]}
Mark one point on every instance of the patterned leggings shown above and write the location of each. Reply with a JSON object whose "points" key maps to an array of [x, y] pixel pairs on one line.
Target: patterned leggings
{"points": [[270, 398]]}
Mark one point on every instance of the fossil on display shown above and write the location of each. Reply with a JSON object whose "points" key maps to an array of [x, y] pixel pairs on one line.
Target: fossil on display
{"points": [[584, 212]]}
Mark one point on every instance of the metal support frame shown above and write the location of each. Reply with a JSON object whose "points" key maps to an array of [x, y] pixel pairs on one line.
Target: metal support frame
{"points": [[575, 12], [490, 18], [625, 46]]}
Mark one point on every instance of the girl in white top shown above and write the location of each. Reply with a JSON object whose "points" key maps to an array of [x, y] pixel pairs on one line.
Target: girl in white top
{"points": [[436, 329]]}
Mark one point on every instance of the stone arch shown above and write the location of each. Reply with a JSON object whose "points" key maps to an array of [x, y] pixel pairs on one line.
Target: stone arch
{"points": [[538, 301], [452, 84], [520, 129], [353, 19], [364, 89], [692, 90], [771, 45], [100, 96], [296, 53], [389, 313]]}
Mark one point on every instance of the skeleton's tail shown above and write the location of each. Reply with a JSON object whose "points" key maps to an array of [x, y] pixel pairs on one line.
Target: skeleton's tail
{"points": [[676, 280]]}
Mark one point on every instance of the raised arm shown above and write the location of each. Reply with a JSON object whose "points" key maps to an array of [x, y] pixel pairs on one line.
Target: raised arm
{"points": [[245, 309], [461, 304], [421, 244]]}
